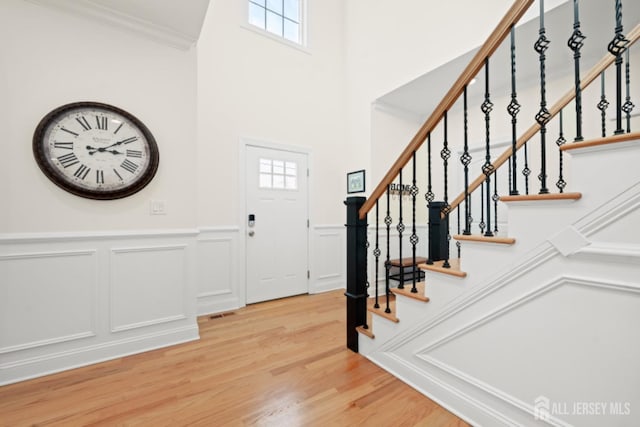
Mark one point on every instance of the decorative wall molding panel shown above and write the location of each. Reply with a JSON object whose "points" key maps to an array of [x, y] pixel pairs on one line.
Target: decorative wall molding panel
{"points": [[80, 298], [220, 270], [328, 268]]}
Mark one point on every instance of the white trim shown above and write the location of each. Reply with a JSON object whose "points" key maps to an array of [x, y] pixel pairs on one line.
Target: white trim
{"points": [[112, 17], [16, 238]]}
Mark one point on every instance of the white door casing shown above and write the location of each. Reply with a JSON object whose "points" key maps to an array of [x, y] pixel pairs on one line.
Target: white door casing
{"points": [[277, 238]]}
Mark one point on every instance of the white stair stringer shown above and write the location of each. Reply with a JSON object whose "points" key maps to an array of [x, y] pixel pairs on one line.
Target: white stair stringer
{"points": [[545, 336]]}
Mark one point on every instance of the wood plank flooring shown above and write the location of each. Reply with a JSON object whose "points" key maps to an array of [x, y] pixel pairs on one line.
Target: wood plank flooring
{"points": [[279, 363]]}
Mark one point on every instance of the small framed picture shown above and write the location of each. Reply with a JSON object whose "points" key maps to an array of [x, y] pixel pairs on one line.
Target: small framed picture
{"points": [[355, 182]]}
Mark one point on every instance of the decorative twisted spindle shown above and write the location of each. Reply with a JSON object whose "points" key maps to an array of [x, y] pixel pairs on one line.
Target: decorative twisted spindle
{"points": [[513, 109], [561, 184], [400, 227], [387, 264], [376, 252], [602, 106], [445, 154], [616, 47], [575, 43], [465, 159], [543, 115], [429, 196], [366, 276], [414, 237], [627, 107], [487, 167]]}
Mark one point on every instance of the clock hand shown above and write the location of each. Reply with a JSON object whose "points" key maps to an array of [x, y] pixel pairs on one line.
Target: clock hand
{"points": [[101, 150]]}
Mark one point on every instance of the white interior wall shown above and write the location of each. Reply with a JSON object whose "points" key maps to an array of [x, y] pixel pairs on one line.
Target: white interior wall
{"points": [[50, 58], [253, 86], [390, 43]]}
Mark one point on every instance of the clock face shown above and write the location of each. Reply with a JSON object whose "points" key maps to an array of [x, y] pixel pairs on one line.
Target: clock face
{"points": [[95, 150]]}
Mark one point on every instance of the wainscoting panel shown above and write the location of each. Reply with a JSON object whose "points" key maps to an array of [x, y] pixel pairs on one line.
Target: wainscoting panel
{"points": [[220, 287], [328, 257], [142, 285], [45, 281], [73, 299]]}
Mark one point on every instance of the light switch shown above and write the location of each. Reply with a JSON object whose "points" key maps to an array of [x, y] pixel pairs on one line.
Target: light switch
{"points": [[157, 207]]}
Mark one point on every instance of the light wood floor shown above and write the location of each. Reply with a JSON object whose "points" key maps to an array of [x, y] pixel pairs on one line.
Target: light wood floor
{"points": [[281, 363]]}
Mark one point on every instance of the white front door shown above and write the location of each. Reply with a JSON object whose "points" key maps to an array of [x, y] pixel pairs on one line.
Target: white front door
{"points": [[276, 223]]}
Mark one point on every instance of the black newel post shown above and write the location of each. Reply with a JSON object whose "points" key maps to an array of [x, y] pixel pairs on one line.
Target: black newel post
{"points": [[356, 270]]}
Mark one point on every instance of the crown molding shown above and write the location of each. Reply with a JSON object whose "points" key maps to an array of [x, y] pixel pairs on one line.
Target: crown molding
{"points": [[115, 18]]}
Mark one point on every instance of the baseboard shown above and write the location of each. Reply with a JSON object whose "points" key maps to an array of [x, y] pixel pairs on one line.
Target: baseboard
{"points": [[48, 364]]}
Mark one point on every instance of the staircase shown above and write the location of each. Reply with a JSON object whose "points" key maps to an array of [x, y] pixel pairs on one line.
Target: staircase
{"points": [[532, 325], [550, 314]]}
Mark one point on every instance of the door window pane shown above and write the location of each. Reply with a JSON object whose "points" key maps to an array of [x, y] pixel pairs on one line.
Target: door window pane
{"points": [[275, 5], [291, 31], [274, 23]]}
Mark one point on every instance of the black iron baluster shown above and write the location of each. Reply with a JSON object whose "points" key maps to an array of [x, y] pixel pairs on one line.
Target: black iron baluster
{"points": [[495, 199], [513, 109], [366, 275], [561, 184], [376, 253], [445, 154], [482, 225], [487, 167], [543, 115], [400, 228], [575, 43], [627, 107], [616, 47], [387, 264], [458, 244], [429, 196], [414, 237], [465, 159], [526, 171], [602, 106]]}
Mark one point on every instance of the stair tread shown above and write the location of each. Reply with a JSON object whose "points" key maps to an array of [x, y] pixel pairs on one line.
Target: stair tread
{"points": [[613, 139], [480, 238], [406, 262], [383, 305], [437, 266], [367, 332], [420, 295], [541, 197]]}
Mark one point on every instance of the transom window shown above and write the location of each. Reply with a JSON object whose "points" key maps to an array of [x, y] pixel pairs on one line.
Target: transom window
{"points": [[279, 17], [278, 174]]}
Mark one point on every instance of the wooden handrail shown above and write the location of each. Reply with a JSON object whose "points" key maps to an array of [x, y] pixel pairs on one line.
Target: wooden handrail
{"points": [[593, 73], [502, 30]]}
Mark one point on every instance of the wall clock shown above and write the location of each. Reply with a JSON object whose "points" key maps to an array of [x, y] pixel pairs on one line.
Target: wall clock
{"points": [[95, 150]]}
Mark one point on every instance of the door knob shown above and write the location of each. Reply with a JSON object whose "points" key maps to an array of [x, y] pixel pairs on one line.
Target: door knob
{"points": [[251, 233]]}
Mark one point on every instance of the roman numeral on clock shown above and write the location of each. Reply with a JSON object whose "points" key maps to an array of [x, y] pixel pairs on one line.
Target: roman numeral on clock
{"points": [[116, 131], [82, 172], [134, 153], [102, 122], [118, 175], [69, 131], [83, 122], [68, 160], [128, 165], [63, 145], [129, 140], [99, 176]]}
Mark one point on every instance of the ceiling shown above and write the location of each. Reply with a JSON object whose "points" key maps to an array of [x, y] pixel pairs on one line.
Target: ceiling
{"points": [[419, 97], [173, 22]]}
